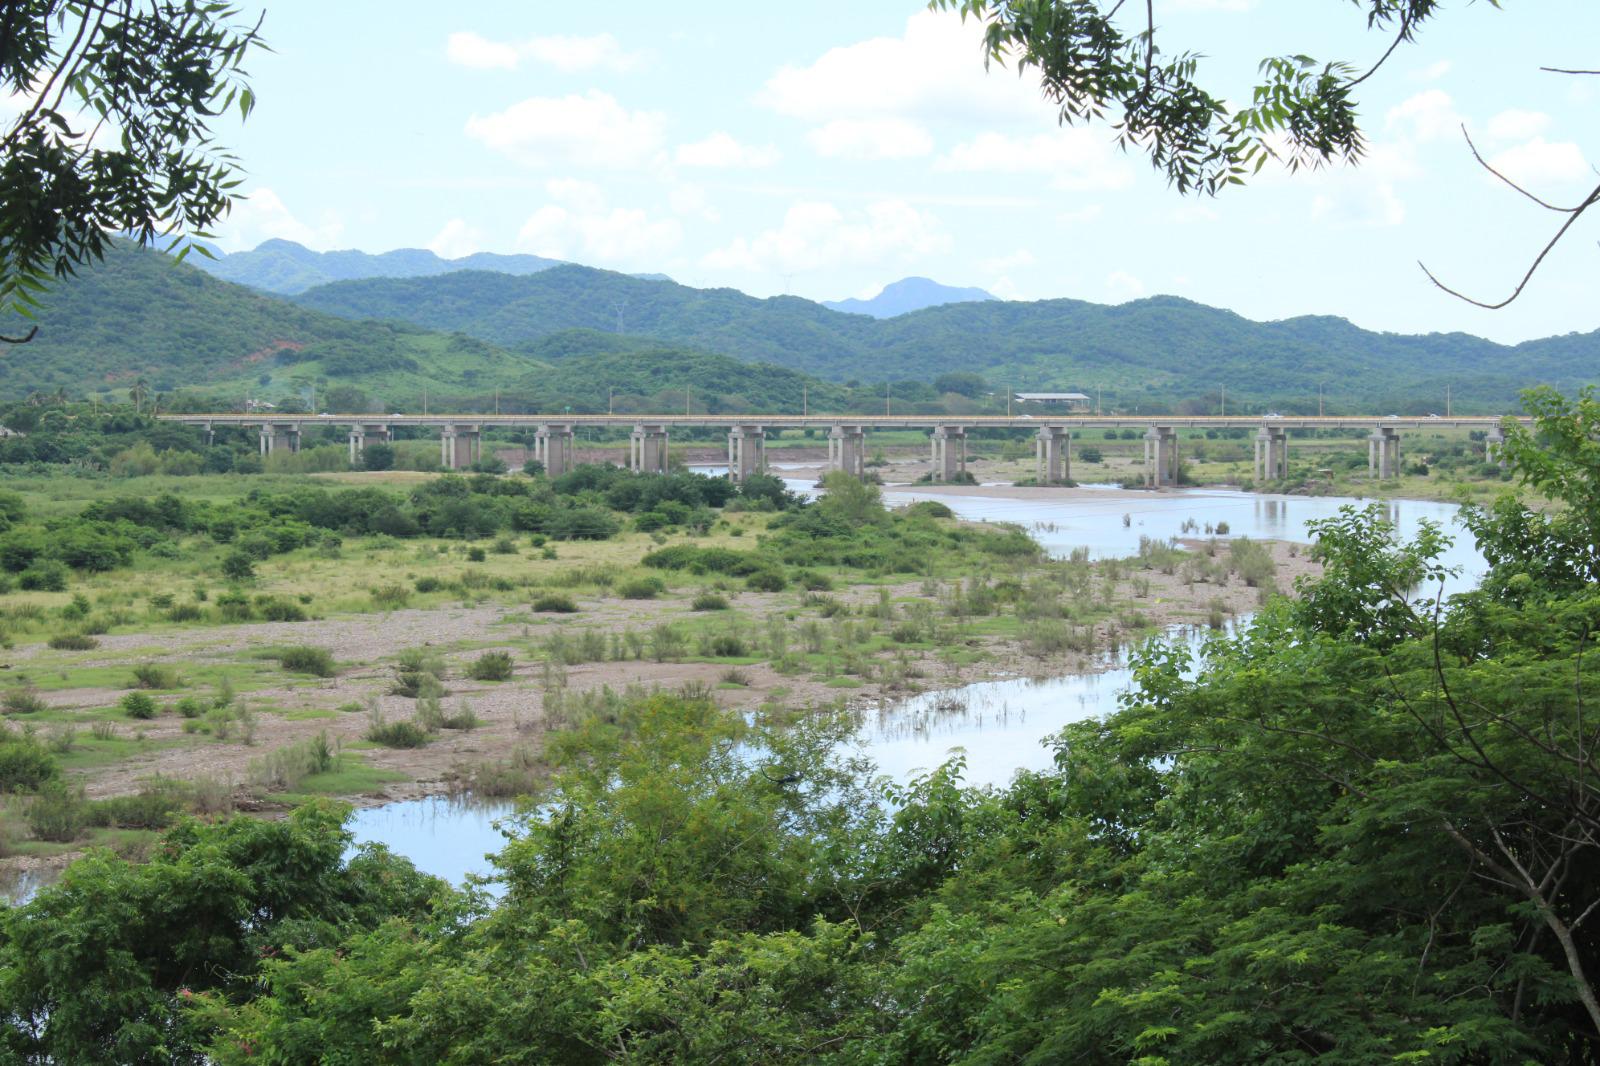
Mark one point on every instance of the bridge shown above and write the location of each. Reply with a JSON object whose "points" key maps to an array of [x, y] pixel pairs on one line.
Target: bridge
{"points": [[460, 436]]}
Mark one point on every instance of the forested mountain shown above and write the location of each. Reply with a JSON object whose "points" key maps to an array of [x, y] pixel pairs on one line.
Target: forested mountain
{"points": [[139, 316], [1157, 351], [286, 267], [906, 295]]}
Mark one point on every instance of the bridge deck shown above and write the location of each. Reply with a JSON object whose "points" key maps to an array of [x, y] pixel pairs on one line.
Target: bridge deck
{"points": [[792, 421]]}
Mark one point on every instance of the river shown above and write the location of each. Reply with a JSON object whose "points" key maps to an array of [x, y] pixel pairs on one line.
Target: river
{"points": [[1001, 725]]}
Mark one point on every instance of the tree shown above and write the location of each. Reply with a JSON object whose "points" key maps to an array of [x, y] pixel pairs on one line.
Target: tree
{"points": [[1303, 113], [113, 134]]}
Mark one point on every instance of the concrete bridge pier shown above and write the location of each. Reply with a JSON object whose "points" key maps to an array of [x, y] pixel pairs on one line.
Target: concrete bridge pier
{"points": [[647, 449], [361, 433], [949, 444], [460, 446], [280, 437], [552, 446], [1493, 447], [847, 450], [1052, 455], [1160, 457], [1272, 454], [1383, 453], [747, 452]]}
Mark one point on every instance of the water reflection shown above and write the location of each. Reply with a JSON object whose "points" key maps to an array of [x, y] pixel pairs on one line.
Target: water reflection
{"points": [[448, 837], [1110, 524]]}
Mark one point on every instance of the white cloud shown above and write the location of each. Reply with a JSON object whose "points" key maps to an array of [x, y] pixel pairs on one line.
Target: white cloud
{"points": [[580, 225], [1542, 162], [691, 202], [933, 72], [1515, 124], [588, 130], [1433, 71], [1356, 205], [1087, 213], [599, 52], [815, 235], [1076, 158], [1002, 264], [264, 216], [1124, 286], [456, 239], [871, 138], [1427, 116], [723, 150]]}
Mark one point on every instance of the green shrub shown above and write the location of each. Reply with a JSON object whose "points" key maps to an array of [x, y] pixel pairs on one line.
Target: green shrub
{"points": [[390, 597], [726, 646], [238, 565], [73, 642], [58, 813], [812, 581], [641, 588], [428, 584], [25, 764], [555, 603], [155, 676], [397, 734], [504, 546], [491, 666], [305, 659], [476, 554], [189, 707], [767, 581], [185, 612], [276, 610], [138, 705], [23, 700], [709, 601], [149, 808], [44, 577]]}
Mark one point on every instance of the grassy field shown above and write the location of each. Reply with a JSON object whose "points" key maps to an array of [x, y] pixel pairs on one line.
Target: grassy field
{"points": [[402, 665]]}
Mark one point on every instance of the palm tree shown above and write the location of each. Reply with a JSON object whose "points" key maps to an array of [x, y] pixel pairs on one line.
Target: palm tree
{"points": [[137, 394]]}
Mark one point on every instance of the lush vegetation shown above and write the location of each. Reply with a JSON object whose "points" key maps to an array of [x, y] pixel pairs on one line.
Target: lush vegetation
{"points": [[1126, 350], [1361, 831]]}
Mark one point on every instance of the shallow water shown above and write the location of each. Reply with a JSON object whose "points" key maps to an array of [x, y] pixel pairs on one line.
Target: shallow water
{"points": [[1000, 725]]}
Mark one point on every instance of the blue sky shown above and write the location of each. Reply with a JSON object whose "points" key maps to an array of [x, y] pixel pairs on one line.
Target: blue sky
{"points": [[827, 148]]}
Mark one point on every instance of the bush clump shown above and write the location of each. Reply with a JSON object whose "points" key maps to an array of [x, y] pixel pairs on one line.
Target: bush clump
{"points": [[138, 705], [491, 666], [400, 734], [641, 588], [155, 676], [25, 763], [73, 642], [709, 601], [767, 581], [24, 700], [555, 603], [305, 659]]}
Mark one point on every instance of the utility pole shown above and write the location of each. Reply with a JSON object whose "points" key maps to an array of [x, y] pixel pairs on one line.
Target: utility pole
{"points": [[686, 401], [1224, 401], [1319, 399], [1008, 399], [1447, 399], [805, 400], [496, 401], [424, 400], [1097, 401], [611, 395], [886, 397]]}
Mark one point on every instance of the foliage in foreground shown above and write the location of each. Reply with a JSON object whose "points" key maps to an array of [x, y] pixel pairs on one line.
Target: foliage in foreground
{"points": [[1363, 831]]}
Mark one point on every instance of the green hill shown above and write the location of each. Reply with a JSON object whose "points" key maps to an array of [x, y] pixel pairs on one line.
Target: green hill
{"points": [[139, 316], [1158, 351]]}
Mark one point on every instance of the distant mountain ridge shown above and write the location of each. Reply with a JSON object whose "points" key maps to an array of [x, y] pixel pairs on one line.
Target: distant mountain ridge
{"points": [[907, 295], [1160, 350], [287, 267]]}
